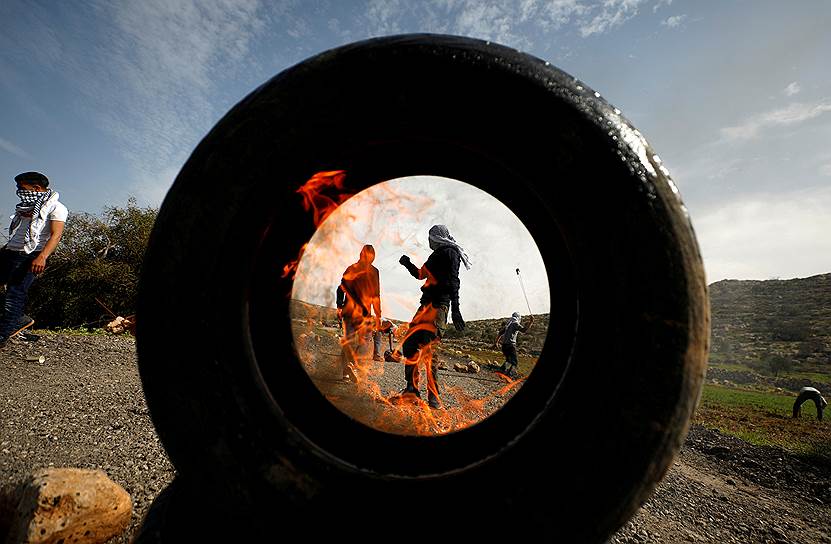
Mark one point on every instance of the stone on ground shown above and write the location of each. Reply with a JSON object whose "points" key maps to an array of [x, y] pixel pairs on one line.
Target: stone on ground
{"points": [[69, 505]]}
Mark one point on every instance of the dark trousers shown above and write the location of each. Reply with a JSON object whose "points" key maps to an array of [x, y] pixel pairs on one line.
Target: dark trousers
{"points": [[509, 351], [417, 346], [376, 343], [425, 330], [804, 397], [16, 274]]}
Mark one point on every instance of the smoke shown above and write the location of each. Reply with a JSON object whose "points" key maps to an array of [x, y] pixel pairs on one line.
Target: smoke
{"points": [[395, 217]]}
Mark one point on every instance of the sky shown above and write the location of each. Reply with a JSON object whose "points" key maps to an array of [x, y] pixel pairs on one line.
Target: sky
{"points": [[109, 98], [395, 218]]}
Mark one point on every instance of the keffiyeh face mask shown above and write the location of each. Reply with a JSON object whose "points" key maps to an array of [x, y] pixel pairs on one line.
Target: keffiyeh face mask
{"points": [[29, 206], [29, 197]]}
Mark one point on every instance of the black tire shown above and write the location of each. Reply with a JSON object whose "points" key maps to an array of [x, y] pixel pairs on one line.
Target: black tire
{"points": [[629, 322]]}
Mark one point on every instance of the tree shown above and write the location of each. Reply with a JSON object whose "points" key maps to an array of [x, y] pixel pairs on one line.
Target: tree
{"points": [[98, 257], [777, 363]]}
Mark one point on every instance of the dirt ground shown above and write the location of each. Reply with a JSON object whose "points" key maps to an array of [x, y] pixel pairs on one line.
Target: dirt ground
{"points": [[466, 398], [83, 407]]}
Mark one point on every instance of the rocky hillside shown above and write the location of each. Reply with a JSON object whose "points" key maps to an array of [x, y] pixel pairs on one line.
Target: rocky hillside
{"points": [[791, 318], [484, 331], [752, 321]]}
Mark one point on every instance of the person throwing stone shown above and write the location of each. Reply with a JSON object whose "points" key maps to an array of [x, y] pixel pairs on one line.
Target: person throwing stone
{"points": [[439, 296], [507, 338]]}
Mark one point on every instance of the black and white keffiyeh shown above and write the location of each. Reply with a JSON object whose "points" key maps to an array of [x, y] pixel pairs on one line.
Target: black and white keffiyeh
{"points": [[29, 206], [440, 236]]}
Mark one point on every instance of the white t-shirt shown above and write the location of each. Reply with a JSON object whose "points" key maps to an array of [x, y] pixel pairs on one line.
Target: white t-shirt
{"points": [[52, 210]]}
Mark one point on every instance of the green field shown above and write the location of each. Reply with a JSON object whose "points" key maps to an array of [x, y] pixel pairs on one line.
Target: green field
{"points": [[765, 419]]}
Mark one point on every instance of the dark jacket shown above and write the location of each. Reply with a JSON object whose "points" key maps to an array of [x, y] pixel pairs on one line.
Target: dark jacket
{"points": [[509, 331], [442, 274]]}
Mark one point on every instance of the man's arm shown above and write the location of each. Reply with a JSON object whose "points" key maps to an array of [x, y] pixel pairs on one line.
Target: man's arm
{"points": [[528, 326], [341, 296], [453, 280], [39, 263], [417, 273]]}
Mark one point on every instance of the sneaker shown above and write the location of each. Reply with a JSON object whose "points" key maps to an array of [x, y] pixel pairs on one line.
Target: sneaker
{"points": [[434, 402], [349, 373], [27, 337], [22, 324], [378, 358], [408, 394]]}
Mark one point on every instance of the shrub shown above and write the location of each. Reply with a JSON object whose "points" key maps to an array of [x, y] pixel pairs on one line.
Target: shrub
{"points": [[98, 257], [777, 363]]}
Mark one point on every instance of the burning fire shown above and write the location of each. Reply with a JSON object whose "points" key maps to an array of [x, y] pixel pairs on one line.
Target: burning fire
{"points": [[322, 349], [320, 204], [315, 199]]}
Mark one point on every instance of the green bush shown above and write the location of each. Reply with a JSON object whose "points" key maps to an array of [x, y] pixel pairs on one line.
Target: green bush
{"points": [[98, 257], [777, 363]]}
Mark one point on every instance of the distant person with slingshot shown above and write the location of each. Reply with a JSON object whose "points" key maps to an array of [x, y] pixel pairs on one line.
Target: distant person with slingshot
{"points": [[507, 340], [508, 336]]}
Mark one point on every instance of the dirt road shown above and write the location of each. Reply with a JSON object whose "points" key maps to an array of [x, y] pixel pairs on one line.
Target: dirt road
{"points": [[84, 407]]}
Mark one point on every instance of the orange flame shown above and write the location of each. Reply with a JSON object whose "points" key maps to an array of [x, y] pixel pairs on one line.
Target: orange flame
{"points": [[291, 267], [314, 198], [320, 204]]}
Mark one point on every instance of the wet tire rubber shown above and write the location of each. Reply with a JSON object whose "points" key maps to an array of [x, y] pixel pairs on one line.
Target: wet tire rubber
{"points": [[580, 445]]}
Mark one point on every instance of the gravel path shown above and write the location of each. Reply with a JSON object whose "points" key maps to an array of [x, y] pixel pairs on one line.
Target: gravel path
{"points": [[721, 489], [83, 407], [467, 398]]}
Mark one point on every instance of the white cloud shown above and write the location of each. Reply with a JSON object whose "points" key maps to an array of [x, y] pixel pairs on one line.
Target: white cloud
{"points": [[14, 149], [510, 23], [153, 86], [385, 16], [792, 89], [797, 112], [493, 21], [766, 236], [674, 21], [613, 13], [661, 3]]}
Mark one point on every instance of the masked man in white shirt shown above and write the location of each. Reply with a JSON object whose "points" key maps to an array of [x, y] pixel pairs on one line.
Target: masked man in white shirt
{"points": [[34, 233]]}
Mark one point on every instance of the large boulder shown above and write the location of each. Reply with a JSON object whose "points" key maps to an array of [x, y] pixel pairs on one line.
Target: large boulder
{"points": [[69, 505]]}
